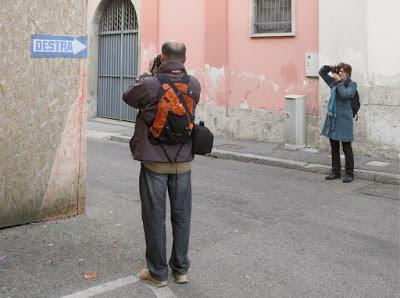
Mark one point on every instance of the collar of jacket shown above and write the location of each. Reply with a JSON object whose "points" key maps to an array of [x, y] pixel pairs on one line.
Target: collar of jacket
{"points": [[171, 66], [346, 81]]}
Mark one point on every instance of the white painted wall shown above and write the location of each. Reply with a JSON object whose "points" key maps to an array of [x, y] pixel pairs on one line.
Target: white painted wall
{"points": [[383, 26], [343, 34]]}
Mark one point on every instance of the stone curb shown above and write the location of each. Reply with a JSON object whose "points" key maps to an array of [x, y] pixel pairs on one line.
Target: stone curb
{"points": [[381, 177], [117, 138], [260, 159]]}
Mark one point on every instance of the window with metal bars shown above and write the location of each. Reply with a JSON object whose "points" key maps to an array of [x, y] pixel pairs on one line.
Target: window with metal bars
{"points": [[272, 18], [117, 11]]}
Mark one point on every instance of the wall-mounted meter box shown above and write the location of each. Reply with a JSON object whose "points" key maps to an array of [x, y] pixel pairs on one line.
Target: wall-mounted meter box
{"points": [[312, 66]]}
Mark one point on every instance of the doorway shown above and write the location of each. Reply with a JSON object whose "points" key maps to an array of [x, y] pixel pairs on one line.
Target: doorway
{"points": [[118, 59]]}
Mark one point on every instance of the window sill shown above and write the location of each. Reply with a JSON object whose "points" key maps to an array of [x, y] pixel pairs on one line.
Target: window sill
{"points": [[258, 35]]}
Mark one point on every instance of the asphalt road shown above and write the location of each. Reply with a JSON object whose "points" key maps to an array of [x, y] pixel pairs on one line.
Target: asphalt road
{"points": [[257, 231]]}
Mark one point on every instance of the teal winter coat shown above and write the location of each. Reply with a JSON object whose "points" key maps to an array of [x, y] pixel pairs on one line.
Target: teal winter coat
{"points": [[339, 118]]}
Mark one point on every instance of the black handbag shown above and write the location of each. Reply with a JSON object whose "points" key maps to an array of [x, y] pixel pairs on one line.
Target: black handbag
{"points": [[202, 139]]}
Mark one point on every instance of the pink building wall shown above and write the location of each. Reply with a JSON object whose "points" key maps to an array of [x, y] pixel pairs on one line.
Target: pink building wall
{"points": [[217, 34], [263, 70], [244, 79], [238, 73], [172, 19]]}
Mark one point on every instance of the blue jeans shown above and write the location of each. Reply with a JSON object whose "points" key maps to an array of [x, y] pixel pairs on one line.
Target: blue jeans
{"points": [[153, 187]]}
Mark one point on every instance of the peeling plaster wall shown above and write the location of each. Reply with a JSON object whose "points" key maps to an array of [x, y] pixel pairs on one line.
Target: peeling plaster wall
{"points": [[244, 80], [257, 74], [371, 45], [42, 131]]}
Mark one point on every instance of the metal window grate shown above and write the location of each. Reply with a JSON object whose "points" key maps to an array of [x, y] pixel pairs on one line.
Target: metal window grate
{"points": [[118, 59], [111, 20], [273, 16], [130, 19], [119, 15]]}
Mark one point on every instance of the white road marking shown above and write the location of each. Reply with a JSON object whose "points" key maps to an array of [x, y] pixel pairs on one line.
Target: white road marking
{"points": [[164, 292], [112, 285]]}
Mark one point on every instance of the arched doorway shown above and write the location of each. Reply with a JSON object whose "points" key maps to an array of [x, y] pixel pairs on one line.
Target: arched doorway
{"points": [[118, 59]]}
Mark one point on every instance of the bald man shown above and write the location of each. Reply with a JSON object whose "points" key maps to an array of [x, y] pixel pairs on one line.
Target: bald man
{"points": [[159, 174]]}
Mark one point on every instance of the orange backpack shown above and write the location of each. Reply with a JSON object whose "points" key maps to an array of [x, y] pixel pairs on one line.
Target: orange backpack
{"points": [[173, 123]]}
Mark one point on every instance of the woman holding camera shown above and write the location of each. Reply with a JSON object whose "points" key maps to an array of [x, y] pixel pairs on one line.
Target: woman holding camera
{"points": [[338, 125]]}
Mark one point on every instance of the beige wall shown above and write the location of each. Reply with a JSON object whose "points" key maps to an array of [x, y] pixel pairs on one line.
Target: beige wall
{"points": [[42, 152]]}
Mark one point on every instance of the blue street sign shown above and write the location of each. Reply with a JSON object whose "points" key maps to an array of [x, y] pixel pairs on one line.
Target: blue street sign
{"points": [[55, 46]]}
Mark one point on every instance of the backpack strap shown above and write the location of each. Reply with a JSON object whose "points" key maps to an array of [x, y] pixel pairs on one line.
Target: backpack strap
{"points": [[166, 154]]}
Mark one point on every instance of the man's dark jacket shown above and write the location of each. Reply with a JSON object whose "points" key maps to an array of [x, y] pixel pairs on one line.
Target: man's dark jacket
{"points": [[144, 95]]}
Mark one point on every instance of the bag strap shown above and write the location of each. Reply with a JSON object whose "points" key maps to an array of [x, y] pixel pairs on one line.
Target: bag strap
{"points": [[165, 79], [165, 152]]}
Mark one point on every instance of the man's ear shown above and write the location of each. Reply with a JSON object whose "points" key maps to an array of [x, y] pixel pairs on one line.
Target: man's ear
{"points": [[162, 58], [184, 60]]}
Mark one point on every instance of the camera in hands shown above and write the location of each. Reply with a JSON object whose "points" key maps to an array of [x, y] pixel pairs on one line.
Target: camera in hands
{"points": [[336, 68], [156, 64]]}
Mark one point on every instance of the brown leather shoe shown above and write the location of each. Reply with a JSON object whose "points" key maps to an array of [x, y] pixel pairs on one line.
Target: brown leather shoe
{"points": [[145, 276], [181, 279]]}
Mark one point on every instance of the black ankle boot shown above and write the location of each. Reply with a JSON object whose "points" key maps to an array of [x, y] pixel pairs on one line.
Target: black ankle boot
{"points": [[332, 176], [348, 178]]}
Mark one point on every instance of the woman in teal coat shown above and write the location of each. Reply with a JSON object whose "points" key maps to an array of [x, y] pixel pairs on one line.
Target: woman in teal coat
{"points": [[338, 125]]}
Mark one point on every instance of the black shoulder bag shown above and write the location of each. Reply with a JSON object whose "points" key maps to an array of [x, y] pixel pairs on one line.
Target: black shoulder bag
{"points": [[202, 139]]}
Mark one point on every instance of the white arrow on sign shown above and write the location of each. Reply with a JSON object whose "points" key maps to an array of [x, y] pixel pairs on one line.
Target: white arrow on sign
{"points": [[77, 46], [58, 46]]}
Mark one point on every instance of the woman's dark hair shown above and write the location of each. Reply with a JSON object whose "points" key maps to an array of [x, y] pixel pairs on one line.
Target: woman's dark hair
{"points": [[346, 68]]}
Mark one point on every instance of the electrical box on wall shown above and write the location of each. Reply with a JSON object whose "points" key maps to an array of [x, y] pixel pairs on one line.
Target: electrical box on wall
{"points": [[295, 121], [312, 66]]}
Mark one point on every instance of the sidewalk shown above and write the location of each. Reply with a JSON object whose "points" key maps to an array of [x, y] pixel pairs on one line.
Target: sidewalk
{"points": [[368, 168]]}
